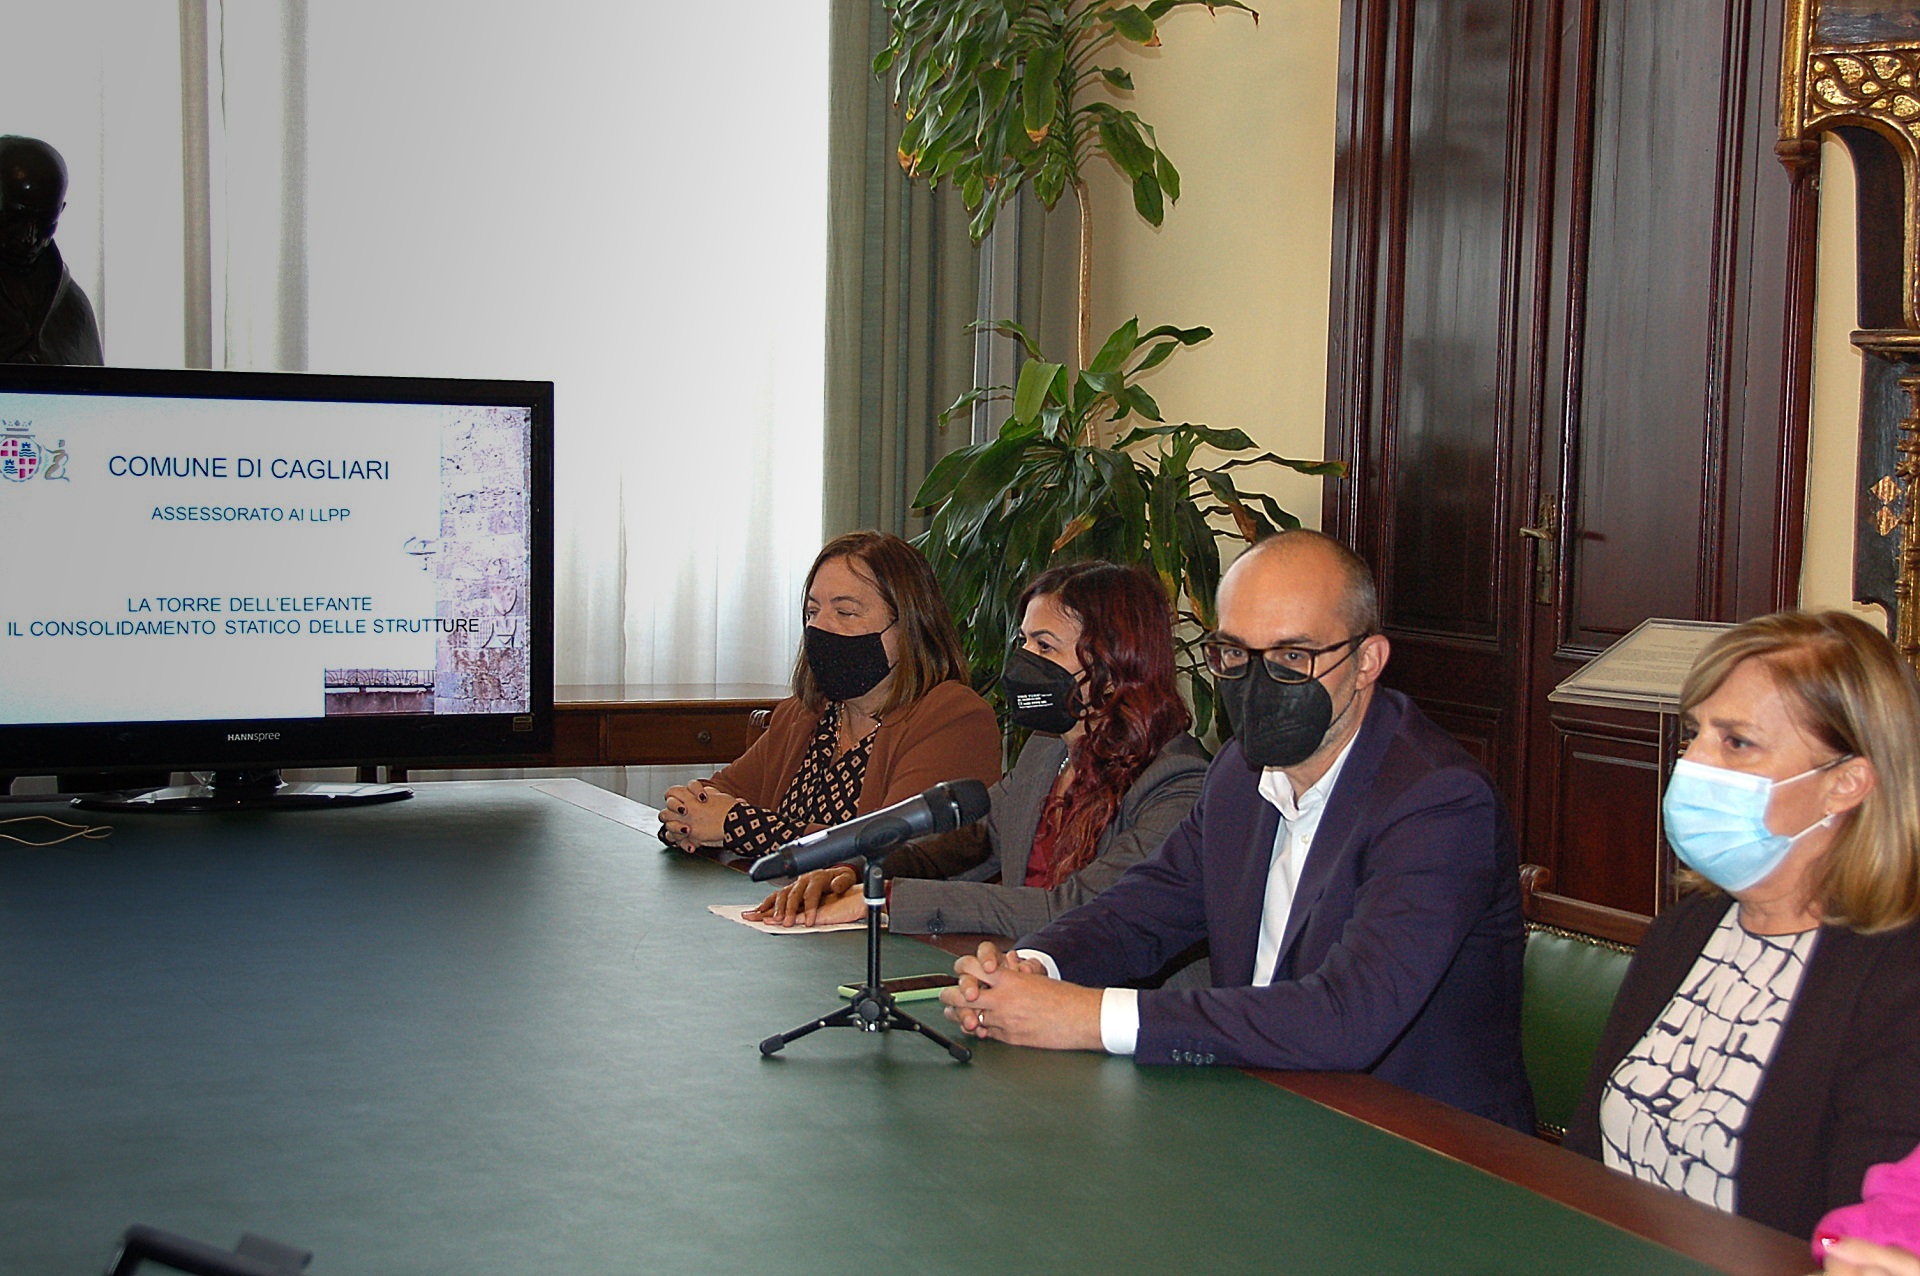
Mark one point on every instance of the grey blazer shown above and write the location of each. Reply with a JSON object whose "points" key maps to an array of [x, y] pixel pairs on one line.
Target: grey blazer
{"points": [[1158, 800]]}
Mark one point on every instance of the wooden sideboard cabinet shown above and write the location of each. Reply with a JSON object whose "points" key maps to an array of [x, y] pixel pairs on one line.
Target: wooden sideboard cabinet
{"points": [[656, 724], [647, 724]]}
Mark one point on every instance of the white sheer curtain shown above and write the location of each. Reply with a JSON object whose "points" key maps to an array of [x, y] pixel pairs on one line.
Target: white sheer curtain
{"points": [[627, 199]]}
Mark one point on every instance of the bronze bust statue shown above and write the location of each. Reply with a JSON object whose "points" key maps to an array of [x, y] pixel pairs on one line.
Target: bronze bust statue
{"points": [[44, 317]]}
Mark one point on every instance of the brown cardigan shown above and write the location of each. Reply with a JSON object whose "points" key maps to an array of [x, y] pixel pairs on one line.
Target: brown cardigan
{"points": [[947, 734]]}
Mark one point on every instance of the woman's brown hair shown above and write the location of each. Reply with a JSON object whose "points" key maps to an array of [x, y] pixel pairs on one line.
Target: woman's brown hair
{"points": [[1848, 688], [930, 651]]}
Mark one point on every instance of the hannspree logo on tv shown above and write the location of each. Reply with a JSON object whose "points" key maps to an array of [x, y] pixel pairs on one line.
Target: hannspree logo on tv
{"points": [[24, 458]]}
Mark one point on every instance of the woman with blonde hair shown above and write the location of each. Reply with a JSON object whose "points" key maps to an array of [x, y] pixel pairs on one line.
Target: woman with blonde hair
{"points": [[1764, 1049]]}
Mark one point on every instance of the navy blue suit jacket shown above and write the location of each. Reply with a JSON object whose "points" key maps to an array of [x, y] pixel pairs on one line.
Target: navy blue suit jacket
{"points": [[1402, 955]]}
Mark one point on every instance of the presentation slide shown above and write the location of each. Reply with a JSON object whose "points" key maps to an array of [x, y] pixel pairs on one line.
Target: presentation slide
{"points": [[217, 559]]}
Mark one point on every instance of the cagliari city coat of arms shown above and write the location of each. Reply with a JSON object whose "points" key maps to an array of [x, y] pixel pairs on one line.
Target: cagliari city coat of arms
{"points": [[21, 455]]}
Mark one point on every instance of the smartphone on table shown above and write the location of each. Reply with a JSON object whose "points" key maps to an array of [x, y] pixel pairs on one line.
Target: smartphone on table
{"points": [[910, 987]]}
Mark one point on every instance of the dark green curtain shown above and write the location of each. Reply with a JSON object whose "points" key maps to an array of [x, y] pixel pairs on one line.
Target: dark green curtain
{"points": [[903, 283], [902, 279]]}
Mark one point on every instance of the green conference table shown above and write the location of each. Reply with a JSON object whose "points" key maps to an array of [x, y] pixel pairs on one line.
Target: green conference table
{"points": [[494, 1029]]}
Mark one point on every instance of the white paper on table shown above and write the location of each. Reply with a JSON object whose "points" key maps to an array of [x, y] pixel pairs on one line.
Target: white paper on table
{"points": [[732, 912]]}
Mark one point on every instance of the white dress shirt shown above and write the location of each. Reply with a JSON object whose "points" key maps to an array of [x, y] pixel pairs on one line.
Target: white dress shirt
{"points": [[1299, 821]]}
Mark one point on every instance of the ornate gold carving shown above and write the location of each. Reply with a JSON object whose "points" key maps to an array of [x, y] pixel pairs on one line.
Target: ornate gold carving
{"points": [[1837, 65], [1886, 519], [1883, 83], [1857, 62], [1888, 493], [1851, 63], [1906, 587]]}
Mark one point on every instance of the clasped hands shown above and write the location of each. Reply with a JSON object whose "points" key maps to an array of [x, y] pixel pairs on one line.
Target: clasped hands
{"points": [[1013, 999], [695, 814]]}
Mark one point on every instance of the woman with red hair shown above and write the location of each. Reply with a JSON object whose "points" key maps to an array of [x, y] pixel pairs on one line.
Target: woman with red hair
{"points": [[1108, 772]]}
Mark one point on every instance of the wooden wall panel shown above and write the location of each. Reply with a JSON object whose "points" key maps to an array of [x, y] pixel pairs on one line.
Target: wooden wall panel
{"points": [[1569, 272], [1687, 343], [1477, 731], [1605, 818], [1444, 361], [1431, 267], [1644, 204]]}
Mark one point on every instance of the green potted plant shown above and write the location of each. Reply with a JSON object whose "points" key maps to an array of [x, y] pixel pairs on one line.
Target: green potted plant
{"points": [[1041, 493], [999, 94]]}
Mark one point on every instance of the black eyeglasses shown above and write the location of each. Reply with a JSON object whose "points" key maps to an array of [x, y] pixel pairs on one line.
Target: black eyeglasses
{"points": [[1230, 660]]}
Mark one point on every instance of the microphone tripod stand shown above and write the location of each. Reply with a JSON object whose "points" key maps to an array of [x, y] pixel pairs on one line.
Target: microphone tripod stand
{"points": [[872, 1008]]}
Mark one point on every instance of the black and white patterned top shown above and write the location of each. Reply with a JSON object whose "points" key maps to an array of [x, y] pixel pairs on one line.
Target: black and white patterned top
{"points": [[825, 790], [1673, 1111]]}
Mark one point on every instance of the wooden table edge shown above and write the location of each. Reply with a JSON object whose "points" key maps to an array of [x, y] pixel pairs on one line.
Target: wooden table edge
{"points": [[1725, 1242]]}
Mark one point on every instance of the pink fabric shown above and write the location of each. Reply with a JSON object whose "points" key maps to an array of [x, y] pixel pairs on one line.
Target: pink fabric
{"points": [[1888, 1212]]}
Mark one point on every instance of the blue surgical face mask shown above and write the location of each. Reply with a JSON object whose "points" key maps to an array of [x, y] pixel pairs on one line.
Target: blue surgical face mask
{"points": [[1716, 821]]}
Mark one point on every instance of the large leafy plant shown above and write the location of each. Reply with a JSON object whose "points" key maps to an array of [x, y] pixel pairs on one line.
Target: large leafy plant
{"points": [[999, 94], [1046, 491]]}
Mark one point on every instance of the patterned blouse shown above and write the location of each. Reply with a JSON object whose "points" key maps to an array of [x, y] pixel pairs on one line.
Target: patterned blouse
{"points": [[1673, 1111], [1045, 842], [824, 791]]}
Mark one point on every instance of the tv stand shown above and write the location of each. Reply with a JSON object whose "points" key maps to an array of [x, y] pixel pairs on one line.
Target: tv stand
{"points": [[251, 789]]}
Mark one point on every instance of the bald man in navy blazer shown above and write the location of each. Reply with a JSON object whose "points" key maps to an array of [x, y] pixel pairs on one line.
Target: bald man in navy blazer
{"points": [[1361, 903]]}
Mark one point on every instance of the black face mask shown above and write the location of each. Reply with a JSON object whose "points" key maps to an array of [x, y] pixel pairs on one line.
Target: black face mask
{"points": [[1276, 723], [1040, 694], [1279, 723], [845, 666]]}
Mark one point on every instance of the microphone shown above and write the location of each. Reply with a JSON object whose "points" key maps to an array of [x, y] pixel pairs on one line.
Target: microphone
{"points": [[941, 808]]}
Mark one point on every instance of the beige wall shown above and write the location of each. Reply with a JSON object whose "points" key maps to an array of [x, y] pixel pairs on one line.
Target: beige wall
{"points": [[1246, 113], [1826, 573]]}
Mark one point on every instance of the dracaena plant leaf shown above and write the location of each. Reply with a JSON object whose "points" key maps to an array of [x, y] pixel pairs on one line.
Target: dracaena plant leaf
{"points": [[993, 90]]}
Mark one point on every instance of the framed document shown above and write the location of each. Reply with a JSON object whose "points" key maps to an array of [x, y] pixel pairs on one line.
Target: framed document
{"points": [[1644, 670]]}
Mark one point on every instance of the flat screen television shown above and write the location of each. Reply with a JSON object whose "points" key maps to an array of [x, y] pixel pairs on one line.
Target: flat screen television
{"points": [[237, 573]]}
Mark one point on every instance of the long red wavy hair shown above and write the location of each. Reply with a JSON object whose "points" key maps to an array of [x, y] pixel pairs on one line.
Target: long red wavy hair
{"points": [[1132, 706]]}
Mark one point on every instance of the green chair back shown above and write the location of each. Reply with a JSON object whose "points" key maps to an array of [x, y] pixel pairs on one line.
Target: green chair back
{"points": [[1570, 982]]}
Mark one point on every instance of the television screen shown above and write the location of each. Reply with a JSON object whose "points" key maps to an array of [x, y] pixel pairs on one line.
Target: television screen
{"points": [[210, 570]]}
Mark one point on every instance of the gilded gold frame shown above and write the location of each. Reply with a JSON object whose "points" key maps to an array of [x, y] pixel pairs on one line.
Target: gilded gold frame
{"points": [[1873, 84]]}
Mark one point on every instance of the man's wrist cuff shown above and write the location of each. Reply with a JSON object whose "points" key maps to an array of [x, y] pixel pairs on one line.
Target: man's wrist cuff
{"points": [[1053, 967], [1120, 1020]]}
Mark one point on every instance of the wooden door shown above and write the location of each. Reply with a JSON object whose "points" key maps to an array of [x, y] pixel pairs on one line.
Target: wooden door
{"points": [[1571, 329]]}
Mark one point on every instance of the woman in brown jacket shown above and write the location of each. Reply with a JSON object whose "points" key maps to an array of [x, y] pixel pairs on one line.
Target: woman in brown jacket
{"points": [[880, 710]]}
